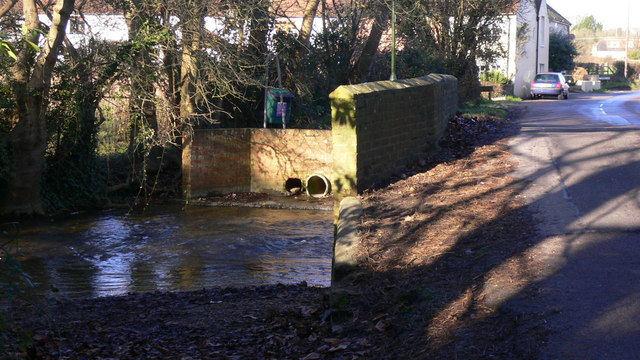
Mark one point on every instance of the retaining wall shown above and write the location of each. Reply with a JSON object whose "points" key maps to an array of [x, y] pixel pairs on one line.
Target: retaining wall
{"points": [[380, 127], [257, 160]]}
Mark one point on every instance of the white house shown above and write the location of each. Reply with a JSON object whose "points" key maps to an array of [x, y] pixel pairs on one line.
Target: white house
{"points": [[525, 39], [614, 48], [99, 21]]}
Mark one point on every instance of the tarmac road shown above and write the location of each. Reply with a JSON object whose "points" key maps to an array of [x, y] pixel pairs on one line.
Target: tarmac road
{"points": [[580, 159]]}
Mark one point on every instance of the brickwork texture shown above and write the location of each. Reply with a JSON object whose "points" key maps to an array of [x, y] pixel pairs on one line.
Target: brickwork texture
{"points": [[257, 160], [380, 127], [377, 128]]}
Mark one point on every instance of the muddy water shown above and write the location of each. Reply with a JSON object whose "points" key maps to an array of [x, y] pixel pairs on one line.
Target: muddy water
{"points": [[172, 249]]}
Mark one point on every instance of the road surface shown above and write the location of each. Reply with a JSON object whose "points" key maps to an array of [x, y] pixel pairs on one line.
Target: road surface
{"points": [[581, 162]]}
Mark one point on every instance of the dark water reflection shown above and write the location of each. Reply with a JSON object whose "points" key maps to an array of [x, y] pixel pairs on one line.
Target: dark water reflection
{"points": [[172, 249]]}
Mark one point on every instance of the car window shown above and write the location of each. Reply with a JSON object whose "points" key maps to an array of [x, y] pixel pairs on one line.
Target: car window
{"points": [[546, 78]]}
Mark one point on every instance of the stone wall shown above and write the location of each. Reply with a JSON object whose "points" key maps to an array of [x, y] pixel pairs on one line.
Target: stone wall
{"points": [[380, 127], [258, 160]]}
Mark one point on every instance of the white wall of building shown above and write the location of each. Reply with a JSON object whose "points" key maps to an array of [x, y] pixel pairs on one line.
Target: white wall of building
{"points": [[521, 36], [533, 53]]}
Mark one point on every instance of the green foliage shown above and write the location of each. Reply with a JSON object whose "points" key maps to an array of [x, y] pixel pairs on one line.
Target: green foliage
{"points": [[8, 49], [562, 51], [484, 107], [6, 107], [511, 98], [314, 76], [615, 85], [113, 133], [619, 74], [634, 54], [74, 177], [588, 23], [417, 61], [495, 76]]}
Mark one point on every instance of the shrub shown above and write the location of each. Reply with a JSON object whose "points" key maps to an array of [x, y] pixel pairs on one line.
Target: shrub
{"points": [[495, 76]]}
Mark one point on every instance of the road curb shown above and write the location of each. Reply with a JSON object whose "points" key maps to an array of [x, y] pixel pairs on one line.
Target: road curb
{"points": [[345, 260]]}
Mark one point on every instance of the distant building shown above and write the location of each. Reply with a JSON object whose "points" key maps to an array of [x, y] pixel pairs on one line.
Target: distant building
{"points": [[614, 47], [525, 39]]}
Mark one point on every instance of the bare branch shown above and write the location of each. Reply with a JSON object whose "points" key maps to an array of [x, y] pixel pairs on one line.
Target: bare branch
{"points": [[6, 7]]}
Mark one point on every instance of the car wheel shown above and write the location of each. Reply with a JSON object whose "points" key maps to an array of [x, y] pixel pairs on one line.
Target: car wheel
{"points": [[533, 97]]}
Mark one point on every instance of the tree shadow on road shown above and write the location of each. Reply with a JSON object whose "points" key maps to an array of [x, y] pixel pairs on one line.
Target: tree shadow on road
{"points": [[454, 266]]}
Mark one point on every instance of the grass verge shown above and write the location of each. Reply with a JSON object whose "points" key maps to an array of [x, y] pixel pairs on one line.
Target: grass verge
{"points": [[484, 108]]}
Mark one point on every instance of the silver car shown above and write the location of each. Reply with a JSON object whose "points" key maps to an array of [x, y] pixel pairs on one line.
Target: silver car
{"points": [[549, 84]]}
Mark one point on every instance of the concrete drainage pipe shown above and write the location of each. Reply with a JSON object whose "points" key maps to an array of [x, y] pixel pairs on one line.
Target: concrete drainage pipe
{"points": [[318, 186]]}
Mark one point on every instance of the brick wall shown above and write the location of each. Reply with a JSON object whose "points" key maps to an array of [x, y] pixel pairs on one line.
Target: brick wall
{"points": [[279, 154], [241, 160], [377, 129], [380, 127]]}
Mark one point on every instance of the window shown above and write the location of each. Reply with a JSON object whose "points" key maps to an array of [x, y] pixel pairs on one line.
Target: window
{"points": [[543, 26]]}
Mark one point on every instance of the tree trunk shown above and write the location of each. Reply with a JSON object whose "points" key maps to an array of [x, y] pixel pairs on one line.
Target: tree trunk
{"points": [[259, 30], [6, 7], [142, 105], [28, 135], [380, 21], [191, 31], [307, 22]]}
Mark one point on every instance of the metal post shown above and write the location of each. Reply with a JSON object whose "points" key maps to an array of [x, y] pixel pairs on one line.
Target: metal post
{"points": [[626, 52], [283, 112], [393, 41], [266, 90]]}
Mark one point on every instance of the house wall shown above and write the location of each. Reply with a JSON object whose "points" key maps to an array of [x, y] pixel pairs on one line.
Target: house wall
{"points": [[528, 60], [380, 127], [559, 28], [508, 44], [113, 27], [543, 47], [258, 160], [520, 36], [106, 27]]}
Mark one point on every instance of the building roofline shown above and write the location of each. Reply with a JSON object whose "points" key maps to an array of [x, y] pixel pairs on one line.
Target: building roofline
{"points": [[558, 16]]}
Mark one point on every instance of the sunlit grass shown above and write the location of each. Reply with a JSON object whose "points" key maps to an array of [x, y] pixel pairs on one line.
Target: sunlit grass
{"points": [[511, 98], [617, 85], [485, 108]]}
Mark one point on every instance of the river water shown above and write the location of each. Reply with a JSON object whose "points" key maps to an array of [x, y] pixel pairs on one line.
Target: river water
{"points": [[166, 249]]}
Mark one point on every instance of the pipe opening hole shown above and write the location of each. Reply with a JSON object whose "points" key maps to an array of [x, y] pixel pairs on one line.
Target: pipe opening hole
{"points": [[293, 185], [318, 186]]}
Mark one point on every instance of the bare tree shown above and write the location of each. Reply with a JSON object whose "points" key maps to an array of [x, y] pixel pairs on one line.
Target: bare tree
{"points": [[460, 32]]}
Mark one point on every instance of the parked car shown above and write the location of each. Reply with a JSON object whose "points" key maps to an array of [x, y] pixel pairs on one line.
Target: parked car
{"points": [[549, 84]]}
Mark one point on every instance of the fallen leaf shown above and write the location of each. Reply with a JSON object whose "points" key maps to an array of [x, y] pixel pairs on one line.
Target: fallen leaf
{"points": [[340, 347], [380, 316], [312, 356], [382, 326]]}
